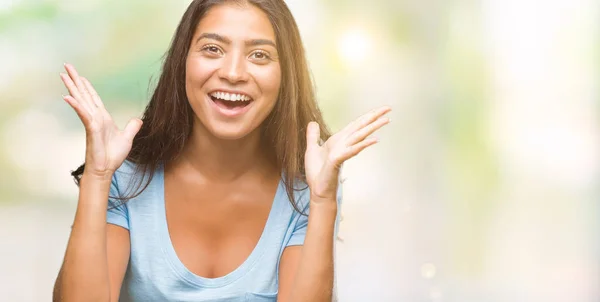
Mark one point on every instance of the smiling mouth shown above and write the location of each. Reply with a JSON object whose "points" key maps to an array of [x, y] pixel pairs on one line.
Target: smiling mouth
{"points": [[230, 101]]}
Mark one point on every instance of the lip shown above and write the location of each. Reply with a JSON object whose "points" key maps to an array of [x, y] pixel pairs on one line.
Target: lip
{"points": [[230, 92], [230, 113]]}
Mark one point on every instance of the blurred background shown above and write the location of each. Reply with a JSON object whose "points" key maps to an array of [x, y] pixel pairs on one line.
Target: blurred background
{"points": [[484, 187]]}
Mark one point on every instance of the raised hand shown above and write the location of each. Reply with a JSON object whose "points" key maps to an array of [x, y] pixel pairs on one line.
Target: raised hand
{"points": [[323, 162], [106, 145]]}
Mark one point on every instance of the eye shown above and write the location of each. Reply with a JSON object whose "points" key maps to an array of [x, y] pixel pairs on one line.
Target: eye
{"points": [[260, 55], [213, 49]]}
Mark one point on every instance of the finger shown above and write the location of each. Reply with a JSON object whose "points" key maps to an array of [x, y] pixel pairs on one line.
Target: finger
{"points": [[357, 148], [313, 134], [74, 91], [368, 118], [92, 92], [132, 128], [74, 77], [81, 112], [361, 134], [85, 96]]}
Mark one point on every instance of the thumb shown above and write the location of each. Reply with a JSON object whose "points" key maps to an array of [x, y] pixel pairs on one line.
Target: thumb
{"points": [[132, 128], [313, 134]]}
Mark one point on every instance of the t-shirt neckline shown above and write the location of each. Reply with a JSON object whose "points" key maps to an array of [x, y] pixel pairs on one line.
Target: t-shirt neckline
{"points": [[181, 270]]}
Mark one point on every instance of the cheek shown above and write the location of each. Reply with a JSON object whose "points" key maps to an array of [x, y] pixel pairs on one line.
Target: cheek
{"points": [[197, 72], [269, 80]]}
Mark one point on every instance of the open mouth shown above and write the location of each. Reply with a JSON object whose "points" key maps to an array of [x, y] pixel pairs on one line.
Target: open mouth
{"points": [[230, 101]]}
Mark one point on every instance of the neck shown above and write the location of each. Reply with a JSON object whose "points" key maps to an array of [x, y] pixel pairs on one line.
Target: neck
{"points": [[220, 160]]}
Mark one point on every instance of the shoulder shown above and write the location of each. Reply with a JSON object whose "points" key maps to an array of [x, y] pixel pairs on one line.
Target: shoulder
{"points": [[301, 195], [127, 168], [124, 174], [136, 191], [128, 177]]}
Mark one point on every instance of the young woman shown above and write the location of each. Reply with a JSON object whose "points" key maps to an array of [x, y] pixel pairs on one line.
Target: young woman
{"points": [[209, 194]]}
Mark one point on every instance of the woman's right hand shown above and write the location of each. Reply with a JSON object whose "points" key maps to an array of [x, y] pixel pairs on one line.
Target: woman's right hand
{"points": [[107, 147]]}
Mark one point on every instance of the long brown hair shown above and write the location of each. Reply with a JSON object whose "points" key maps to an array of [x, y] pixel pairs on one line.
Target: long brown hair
{"points": [[168, 116]]}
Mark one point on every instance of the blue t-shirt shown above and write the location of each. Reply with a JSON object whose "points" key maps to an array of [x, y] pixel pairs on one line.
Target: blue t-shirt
{"points": [[155, 273]]}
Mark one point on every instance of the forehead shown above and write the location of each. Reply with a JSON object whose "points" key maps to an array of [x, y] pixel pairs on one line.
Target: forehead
{"points": [[237, 22]]}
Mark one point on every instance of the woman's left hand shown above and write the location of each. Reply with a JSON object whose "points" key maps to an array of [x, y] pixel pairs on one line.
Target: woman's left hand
{"points": [[322, 162]]}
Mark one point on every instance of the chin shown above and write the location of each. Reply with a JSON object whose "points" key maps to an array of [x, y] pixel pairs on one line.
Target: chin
{"points": [[231, 131]]}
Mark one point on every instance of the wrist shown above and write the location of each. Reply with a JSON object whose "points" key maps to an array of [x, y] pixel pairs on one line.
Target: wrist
{"points": [[97, 176], [323, 203]]}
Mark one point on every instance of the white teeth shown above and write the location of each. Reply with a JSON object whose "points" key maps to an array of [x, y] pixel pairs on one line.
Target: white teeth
{"points": [[230, 97]]}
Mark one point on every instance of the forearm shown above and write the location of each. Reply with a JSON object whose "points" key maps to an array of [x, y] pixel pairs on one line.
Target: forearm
{"points": [[84, 273], [314, 278]]}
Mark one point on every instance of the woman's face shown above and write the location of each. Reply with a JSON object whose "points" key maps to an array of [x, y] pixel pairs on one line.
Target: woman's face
{"points": [[232, 70]]}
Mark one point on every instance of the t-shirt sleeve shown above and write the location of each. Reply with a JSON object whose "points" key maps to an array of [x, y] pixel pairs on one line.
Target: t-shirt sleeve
{"points": [[299, 232], [117, 210]]}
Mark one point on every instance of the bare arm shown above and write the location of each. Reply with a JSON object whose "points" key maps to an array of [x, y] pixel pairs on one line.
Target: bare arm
{"points": [[306, 272], [87, 274], [118, 251]]}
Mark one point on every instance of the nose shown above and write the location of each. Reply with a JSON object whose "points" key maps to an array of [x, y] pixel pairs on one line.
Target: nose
{"points": [[234, 69]]}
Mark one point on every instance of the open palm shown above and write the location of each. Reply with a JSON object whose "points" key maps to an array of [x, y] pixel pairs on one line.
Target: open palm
{"points": [[106, 145], [323, 162]]}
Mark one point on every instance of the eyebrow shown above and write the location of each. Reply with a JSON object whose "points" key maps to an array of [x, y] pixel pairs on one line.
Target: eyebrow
{"points": [[254, 42]]}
